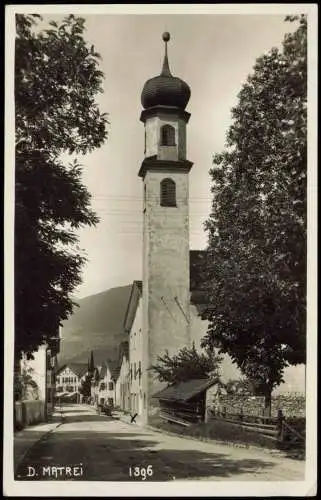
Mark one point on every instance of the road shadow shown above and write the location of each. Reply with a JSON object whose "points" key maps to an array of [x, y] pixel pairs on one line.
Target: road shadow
{"points": [[66, 410], [295, 453], [108, 456], [89, 417]]}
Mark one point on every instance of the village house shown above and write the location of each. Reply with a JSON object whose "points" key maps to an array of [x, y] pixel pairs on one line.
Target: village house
{"points": [[133, 327], [131, 381], [122, 385], [106, 386], [38, 375], [69, 380]]}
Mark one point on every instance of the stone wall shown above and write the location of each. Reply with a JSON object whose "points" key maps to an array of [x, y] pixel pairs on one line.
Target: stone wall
{"points": [[291, 404], [29, 413], [251, 405]]}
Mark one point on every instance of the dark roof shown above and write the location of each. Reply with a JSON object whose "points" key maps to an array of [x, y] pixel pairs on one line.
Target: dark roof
{"points": [[122, 351], [103, 370], [198, 294], [199, 299], [185, 390], [116, 372], [165, 90], [197, 259], [135, 295], [112, 367], [79, 369]]}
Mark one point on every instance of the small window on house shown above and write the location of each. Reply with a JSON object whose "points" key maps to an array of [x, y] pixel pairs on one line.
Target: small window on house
{"points": [[168, 193], [167, 135], [110, 386]]}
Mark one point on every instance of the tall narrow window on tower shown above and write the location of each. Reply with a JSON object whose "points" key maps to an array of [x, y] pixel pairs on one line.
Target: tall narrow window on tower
{"points": [[168, 193], [167, 135]]}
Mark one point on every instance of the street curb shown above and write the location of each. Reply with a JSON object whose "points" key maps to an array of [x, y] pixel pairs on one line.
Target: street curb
{"points": [[24, 455]]}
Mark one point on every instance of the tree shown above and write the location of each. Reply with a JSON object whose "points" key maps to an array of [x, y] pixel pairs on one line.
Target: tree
{"points": [[56, 83], [187, 364], [85, 387], [91, 364], [256, 261], [96, 377], [243, 386]]}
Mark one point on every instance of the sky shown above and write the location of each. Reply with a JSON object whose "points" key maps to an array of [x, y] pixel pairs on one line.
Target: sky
{"points": [[214, 54]]}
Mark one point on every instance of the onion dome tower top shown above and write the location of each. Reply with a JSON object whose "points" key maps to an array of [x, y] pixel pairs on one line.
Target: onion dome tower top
{"points": [[165, 89]]}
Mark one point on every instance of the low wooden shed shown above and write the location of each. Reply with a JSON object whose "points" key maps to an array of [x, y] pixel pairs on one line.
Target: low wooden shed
{"points": [[185, 402]]}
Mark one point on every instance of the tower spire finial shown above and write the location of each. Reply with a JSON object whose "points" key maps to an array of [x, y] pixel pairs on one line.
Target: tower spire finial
{"points": [[166, 70]]}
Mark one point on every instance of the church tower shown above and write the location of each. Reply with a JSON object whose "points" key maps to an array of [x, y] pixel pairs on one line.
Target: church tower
{"points": [[164, 172]]}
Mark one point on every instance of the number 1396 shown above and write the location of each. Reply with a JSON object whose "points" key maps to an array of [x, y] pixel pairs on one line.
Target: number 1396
{"points": [[141, 472]]}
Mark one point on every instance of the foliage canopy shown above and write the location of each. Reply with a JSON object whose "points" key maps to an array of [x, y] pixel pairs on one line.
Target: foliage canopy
{"points": [[57, 79], [256, 265]]}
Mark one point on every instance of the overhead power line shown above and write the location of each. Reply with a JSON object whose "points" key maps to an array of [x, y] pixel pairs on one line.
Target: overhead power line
{"points": [[140, 198]]}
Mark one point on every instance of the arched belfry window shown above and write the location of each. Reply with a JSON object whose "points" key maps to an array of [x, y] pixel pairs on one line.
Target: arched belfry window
{"points": [[168, 193], [167, 135]]}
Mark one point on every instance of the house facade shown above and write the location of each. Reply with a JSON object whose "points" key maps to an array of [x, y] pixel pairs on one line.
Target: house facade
{"points": [[69, 380], [137, 370], [123, 384], [105, 390], [42, 369]]}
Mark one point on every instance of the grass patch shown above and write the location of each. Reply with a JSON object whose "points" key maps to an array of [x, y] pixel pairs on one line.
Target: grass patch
{"points": [[218, 430]]}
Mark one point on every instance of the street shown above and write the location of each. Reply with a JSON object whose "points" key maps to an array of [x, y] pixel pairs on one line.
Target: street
{"points": [[91, 447]]}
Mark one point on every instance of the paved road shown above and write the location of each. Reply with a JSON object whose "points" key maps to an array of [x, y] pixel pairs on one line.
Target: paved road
{"points": [[92, 447]]}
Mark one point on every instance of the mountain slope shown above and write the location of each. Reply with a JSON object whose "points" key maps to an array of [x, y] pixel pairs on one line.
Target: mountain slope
{"points": [[97, 324]]}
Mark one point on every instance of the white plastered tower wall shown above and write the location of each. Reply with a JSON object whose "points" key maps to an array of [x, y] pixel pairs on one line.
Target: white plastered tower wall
{"points": [[166, 296]]}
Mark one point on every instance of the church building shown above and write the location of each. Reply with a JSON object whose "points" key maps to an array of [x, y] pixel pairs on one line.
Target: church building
{"points": [[164, 309], [162, 312]]}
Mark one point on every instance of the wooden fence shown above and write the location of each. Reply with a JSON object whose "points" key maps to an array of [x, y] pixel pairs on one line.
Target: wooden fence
{"points": [[182, 416], [270, 427], [273, 428]]}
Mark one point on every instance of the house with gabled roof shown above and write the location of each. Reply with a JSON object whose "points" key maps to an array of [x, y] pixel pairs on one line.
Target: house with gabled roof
{"points": [[134, 383], [106, 385], [133, 326], [69, 379], [122, 378]]}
